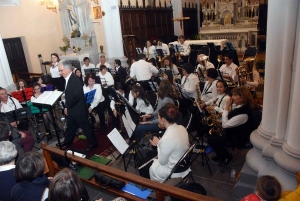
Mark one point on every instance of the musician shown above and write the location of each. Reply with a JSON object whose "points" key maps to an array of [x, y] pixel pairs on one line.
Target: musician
{"points": [[203, 65], [86, 65], [171, 147], [149, 51], [168, 65], [21, 85], [98, 102], [76, 109], [103, 62], [138, 99], [249, 83], [47, 117], [209, 91], [56, 80], [189, 81], [106, 78], [118, 107], [185, 47], [79, 74], [164, 47], [228, 69], [237, 124], [40, 81], [218, 103], [121, 72]]}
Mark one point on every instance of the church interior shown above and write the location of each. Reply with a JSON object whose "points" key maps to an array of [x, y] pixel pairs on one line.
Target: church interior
{"points": [[196, 100]]}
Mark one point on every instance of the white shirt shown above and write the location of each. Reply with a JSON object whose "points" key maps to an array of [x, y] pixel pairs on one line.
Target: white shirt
{"points": [[54, 71], [209, 92], [184, 48], [189, 85], [67, 79], [170, 148], [234, 121], [175, 70], [165, 48], [142, 70], [98, 98], [86, 67], [105, 64], [6, 167], [208, 66], [140, 105], [229, 70], [219, 102], [10, 106], [107, 77], [151, 53], [255, 83]]}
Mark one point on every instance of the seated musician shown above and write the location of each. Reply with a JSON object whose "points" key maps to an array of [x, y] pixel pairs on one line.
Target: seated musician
{"points": [[168, 75], [189, 81], [237, 124], [253, 80], [228, 69], [78, 73], [171, 147], [203, 65], [168, 65], [121, 72], [86, 65], [209, 91], [47, 117], [103, 62], [98, 102], [21, 85], [149, 51], [138, 99], [186, 49], [41, 82], [164, 47], [106, 78], [218, 103], [164, 96]]}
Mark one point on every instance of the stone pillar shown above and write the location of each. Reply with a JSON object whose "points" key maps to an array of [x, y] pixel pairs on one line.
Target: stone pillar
{"points": [[6, 80], [112, 32], [177, 9], [280, 103]]}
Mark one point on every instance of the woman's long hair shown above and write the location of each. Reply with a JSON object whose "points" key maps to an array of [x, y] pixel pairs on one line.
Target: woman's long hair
{"points": [[244, 92], [142, 94], [170, 61], [164, 89]]}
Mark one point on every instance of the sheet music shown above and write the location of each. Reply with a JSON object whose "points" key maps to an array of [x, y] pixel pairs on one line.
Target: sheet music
{"points": [[127, 127], [48, 97], [118, 141], [129, 120]]}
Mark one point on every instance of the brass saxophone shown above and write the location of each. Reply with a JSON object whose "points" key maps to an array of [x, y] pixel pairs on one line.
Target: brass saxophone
{"points": [[213, 120]]}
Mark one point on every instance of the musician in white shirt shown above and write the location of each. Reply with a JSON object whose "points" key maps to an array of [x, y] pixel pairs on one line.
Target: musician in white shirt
{"points": [[149, 50], [164, 47], [86, 65], [203, 65], [253, 76], [209, 91], [228, 69], [106, 78], [142, 70], [168, 65], [219, 102], [98, 102], [139, 100], [57, 80], [189, 81], [103, 62]]}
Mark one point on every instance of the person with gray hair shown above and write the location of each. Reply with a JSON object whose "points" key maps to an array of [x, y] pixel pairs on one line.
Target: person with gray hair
{"points": [[8, 154], [76, 108]]}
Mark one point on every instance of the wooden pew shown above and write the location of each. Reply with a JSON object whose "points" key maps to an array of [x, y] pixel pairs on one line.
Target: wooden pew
{"points": [[159, 188]]}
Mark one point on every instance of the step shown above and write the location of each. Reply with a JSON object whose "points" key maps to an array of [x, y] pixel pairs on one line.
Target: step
{"points": [[243, 189], [247, 175]]}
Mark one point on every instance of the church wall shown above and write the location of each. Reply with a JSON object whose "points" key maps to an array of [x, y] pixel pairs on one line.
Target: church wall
{"points": [[39, 28], [140, 2]]}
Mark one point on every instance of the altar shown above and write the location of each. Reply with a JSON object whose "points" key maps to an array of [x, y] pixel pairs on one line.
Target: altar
{"points": [[234, 20], [216, 42]]}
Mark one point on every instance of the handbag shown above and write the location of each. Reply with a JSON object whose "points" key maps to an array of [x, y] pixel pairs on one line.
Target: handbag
{"points": [[105, 180]]}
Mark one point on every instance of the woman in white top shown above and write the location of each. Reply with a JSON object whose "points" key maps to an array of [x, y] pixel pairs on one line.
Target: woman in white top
{"points": [[218, 103], [168, 65], [209, 91], [57, 80], [98, 102], [171, 147], [47, 117], [189, 81], [139, 100], [149, 50], [106, 78]]}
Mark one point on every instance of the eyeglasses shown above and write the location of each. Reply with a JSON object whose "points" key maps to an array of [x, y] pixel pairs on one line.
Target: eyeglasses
{"points": [[61, 70], [37, 89]]}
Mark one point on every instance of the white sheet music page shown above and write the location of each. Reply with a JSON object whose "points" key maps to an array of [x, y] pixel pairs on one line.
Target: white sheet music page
{"points": [[118, 141], [129, 120], [48, 97], [127, 127]]}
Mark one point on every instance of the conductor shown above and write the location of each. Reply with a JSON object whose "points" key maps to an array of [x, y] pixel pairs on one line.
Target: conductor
{"points": [[76, 109]]}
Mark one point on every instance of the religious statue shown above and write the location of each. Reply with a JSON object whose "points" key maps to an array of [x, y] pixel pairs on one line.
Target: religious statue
{"points": [[227, 19], [73, 20]]}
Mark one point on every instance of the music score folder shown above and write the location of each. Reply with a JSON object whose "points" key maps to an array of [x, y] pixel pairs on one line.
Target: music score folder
{"points": [[134, 190], [48, 98]]}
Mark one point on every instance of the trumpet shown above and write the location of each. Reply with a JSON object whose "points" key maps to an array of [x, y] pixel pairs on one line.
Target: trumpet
{"points": [[219, 58], [178, 56]]}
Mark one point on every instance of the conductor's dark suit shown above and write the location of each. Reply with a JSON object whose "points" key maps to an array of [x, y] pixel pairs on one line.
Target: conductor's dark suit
{"points": [[121, 75], [77, 112]]}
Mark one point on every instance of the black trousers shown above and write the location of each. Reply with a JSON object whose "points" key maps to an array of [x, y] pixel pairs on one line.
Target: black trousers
{"points": [[218, 144], [144, 172], [100, 109], [73, 123]]}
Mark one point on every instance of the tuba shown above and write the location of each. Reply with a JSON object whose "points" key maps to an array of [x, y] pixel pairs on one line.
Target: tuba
{"points": [[246, 70]]}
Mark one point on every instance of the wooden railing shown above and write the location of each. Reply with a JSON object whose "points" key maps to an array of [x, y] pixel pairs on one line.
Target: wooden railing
{"points": [[160, 189]]}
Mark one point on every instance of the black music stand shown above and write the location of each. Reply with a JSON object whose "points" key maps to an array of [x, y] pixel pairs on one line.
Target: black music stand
{"points": [[18, 114], [139, 50], [88, 71], [96, 71], [50, 97]]}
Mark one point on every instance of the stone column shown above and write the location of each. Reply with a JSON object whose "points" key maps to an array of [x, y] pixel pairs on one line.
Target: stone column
{"points": [[6, 80], [267, 156], [177, 9], [112, 32]]}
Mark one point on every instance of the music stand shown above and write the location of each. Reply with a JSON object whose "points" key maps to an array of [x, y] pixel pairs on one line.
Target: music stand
{"points": [[139, 50], [159, 52], [89, 96], [88, 71], [18, 114], [96, 71]]}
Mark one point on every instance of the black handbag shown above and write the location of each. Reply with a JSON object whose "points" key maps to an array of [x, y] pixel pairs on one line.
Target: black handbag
{"points": [[105, 180]]}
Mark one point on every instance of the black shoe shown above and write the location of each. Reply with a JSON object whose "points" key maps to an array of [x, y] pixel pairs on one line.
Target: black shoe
{"points": [[215, 158], [90, 147], [63, 144], [226, 161]]}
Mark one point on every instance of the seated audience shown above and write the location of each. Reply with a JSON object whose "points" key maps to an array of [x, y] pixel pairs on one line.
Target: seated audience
{"points": [[29, 173], [171, 147], [8, 154], [268, 188], [67, 186]]}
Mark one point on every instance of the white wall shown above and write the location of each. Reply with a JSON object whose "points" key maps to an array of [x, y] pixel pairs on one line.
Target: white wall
{"points": [[39, 28]]}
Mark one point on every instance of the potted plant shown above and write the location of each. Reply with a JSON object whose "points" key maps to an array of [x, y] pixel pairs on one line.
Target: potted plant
{"points": [[64, 49]]}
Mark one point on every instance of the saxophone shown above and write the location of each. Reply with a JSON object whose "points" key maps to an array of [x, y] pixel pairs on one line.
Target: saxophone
{"points": [[198, 102], [213, 120]]}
